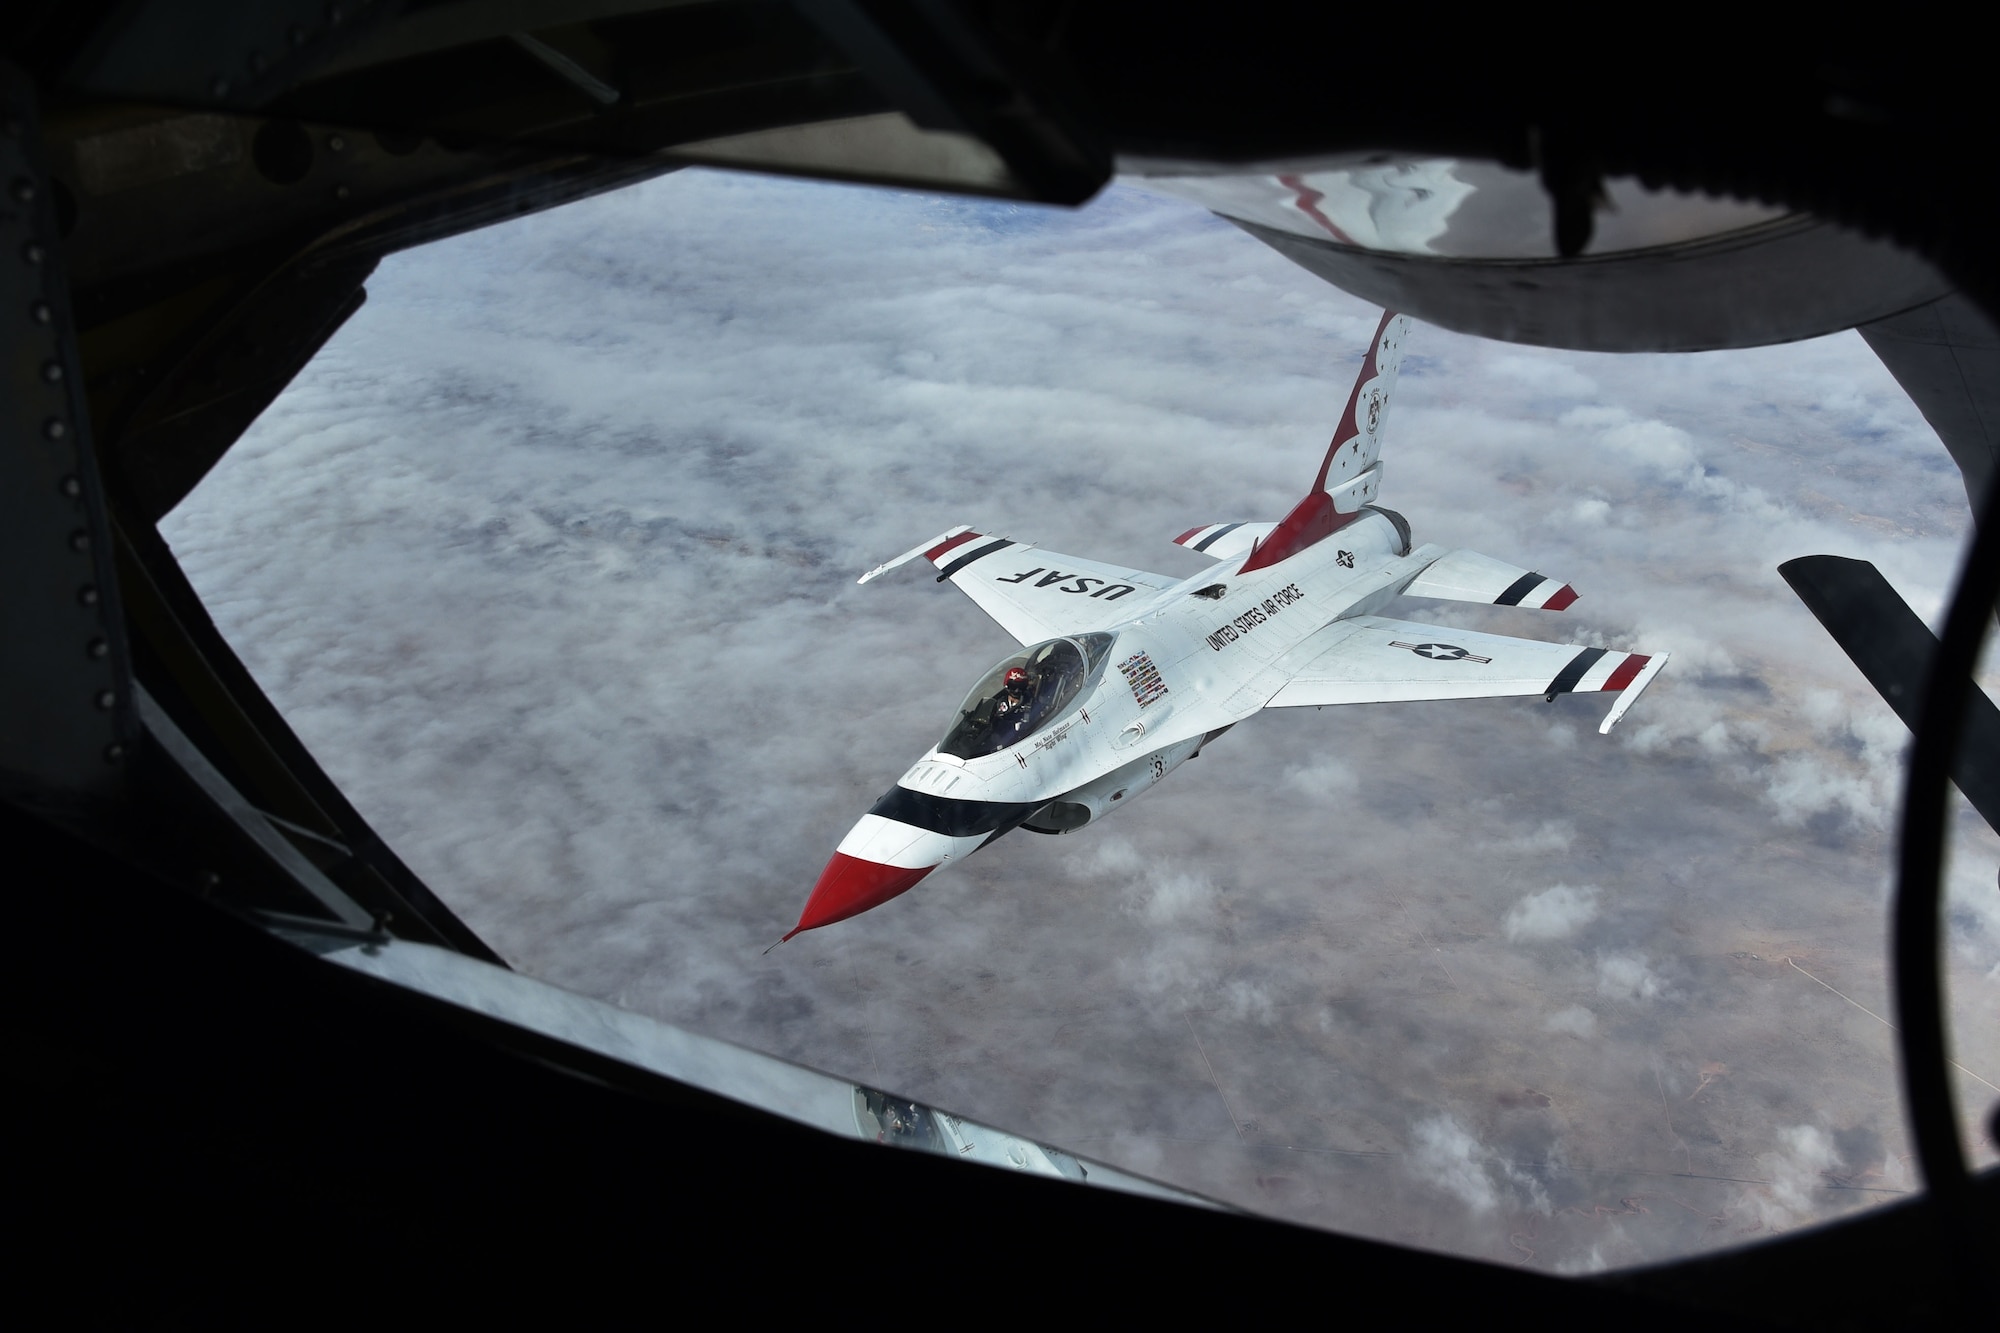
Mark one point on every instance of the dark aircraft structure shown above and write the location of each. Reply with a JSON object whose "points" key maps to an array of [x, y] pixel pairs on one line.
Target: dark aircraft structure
{"points": [[257, 1063]]}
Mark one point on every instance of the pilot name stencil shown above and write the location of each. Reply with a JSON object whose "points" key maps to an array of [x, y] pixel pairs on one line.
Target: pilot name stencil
{"points": [[1255, 616], [1049, 740], [1079, 583]]}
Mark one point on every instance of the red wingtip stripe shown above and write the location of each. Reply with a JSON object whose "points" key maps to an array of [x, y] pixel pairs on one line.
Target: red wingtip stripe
{"points": [[943, 548], [1627, 672], [1185, 537], [1560, 602]]}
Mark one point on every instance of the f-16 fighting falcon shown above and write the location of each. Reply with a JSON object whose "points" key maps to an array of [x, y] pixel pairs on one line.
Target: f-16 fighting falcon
{"points": [[1123, 675]]}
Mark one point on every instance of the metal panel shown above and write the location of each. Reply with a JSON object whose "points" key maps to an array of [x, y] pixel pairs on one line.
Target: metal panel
{"points": [[1791, 279], [252, 821], [64, 670], [1946, 355]]}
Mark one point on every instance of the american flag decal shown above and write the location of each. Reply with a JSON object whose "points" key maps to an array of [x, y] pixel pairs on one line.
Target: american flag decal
{"points": [[1143, 677]]}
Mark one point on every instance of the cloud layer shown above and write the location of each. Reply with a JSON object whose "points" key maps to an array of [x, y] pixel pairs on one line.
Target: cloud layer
{"points": [[550, 557], [1552, 914]]}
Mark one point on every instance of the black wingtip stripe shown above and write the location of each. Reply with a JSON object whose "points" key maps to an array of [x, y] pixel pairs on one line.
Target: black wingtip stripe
{"points": [[975, 554], [1216, 536], [1520, 588], [1567, 678]]}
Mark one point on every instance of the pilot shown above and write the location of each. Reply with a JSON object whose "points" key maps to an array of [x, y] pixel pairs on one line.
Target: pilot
{"points": [[1010, 708]]}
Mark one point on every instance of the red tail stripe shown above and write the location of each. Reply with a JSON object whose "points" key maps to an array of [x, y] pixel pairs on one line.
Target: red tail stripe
{"points": [[1183, 539], [943, 548], [1564, 596], [1627, 672], [1312, 520], [1308, 202]]}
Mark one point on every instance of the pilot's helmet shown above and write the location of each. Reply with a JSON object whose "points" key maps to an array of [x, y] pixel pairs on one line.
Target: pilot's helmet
{"points": [[1015, 676]]}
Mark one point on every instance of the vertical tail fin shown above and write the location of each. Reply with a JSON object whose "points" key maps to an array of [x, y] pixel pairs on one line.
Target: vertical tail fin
{"points": [[1350, 476], [1357, 442]]}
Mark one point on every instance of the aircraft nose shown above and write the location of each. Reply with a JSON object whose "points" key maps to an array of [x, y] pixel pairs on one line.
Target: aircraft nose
{"points": [[850, 886]]}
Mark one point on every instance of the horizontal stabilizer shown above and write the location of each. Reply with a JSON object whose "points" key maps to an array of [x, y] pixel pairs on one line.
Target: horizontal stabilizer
{"points": [[1223, 541], [1357, 492], [1467, 576]]}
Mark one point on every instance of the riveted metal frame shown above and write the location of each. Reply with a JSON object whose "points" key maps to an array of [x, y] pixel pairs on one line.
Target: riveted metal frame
{"points": [[65, 669]]}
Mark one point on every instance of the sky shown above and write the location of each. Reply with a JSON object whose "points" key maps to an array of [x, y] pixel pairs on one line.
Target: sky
{"points": [[550, 558]]}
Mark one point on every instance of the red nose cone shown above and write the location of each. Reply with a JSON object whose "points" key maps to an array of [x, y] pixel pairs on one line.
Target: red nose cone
{"points": [[850, 886]]}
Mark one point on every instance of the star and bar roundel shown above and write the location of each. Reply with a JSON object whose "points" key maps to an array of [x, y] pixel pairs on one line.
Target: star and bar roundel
{"points": [[1442, 652]]}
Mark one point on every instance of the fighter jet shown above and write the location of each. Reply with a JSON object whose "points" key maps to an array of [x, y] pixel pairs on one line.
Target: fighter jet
{"points": [[1124, 675]]}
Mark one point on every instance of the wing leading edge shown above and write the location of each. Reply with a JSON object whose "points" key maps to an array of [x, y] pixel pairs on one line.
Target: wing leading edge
{"points": [[1371, 659]]}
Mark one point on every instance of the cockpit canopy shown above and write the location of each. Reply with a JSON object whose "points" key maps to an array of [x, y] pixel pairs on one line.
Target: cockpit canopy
{"points": [[1047, 679]]}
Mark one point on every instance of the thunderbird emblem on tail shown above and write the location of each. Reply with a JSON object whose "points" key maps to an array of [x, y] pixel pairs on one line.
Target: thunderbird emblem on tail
{"points": [[1124, 675]]}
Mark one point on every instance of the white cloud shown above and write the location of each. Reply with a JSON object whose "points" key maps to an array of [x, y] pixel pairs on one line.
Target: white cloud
{"points": [[1551, 835], [1972, 919], [1628, 976], [1543, 374], [1592, 513], [1165, 897], [1156, 891], [1575, 1021], [1114, 856], [1446, 1155], [1592, 1261], [1796, 1170], [1247, 1002], [1647, 738], [1666, 449], [1801, 786], [1323, 780], [1553, 914], [1169, 954]]}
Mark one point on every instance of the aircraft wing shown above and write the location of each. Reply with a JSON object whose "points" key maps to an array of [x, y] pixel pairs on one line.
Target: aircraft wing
{"points": [[1371, 659], [1034, 594]]}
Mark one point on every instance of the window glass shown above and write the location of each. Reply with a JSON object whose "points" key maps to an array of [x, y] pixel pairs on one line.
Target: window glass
{"points": [[1022, 694]]}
